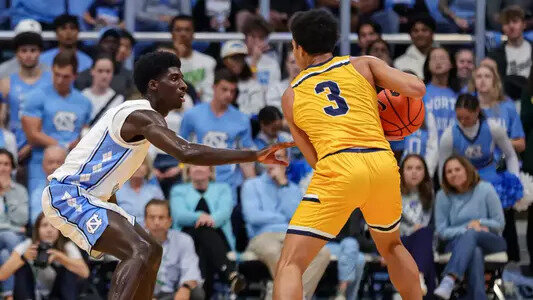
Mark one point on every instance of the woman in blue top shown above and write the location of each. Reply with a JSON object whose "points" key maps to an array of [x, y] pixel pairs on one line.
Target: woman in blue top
{"points": [[469, 218], [442, 87], [202, 208], [416, 227], [488, 86]]}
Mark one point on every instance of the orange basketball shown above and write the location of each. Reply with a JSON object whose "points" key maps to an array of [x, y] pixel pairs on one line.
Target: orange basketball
{"points": [[400, 115]]}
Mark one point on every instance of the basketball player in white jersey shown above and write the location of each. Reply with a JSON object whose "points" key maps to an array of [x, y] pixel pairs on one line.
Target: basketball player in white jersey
{"points": [[80, 199]]}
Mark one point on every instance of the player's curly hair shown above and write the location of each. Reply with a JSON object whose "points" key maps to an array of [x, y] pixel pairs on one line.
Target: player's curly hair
{"points": [[152, 66], [316, 31]]}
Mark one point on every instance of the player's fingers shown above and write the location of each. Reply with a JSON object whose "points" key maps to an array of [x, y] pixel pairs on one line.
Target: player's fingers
{"points": [[285, 145]]}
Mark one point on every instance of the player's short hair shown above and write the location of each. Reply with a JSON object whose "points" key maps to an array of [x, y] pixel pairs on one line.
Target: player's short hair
{"points": [[66, 58], [374, 25], [256, 23], [316, 31], [472, 176], [4, 151], [512, 12], [28, 38], [423, 18], [180, 18], [157, 202], [66, 19], [225, 74], [269, 114], [152, 66]]}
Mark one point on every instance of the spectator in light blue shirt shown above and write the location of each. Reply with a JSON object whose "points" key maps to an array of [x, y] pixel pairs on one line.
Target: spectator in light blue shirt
{"points": [[137, 191], [179, 275], [268, 203], [218, 124], [469, 218], [67, 28], [54, 115]]}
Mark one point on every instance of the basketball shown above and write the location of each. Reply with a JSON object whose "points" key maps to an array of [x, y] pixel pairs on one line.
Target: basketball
{"points": [[400, 116]]}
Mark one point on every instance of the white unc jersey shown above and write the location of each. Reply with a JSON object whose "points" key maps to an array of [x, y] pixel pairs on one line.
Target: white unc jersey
{"points": [[102, 161]]}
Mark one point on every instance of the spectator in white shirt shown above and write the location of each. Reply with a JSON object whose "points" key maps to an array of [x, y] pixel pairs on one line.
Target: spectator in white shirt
{"points": [[197, 68], [421, 32], [263, 65]]}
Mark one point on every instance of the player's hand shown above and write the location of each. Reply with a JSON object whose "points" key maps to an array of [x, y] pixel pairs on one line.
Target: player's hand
{"points": [[267, 155], [31, 253]]}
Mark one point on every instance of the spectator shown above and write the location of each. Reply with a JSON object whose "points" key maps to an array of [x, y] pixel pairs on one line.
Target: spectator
{"points": [[251, 96], [219, 124], [441, 88], [122, 81], [43, 12], [474, 137], [215, 16], [461, 12], [488, 86], [425, 143], [276, 89], [421, 30], [12, 65], [465, 62], [57, 276], [270, 128], [280, 11], [469, 219], [178, 276], [264, 67], [103, 13], [202, 209], [137, 191], [14, 216], [416, 228], [197, 68], [54, 114], [67, 29], [53, 158], [514, 58], [127, 42], [380, 49], [155, 15], [367, 33], [269, 202], [406, 10], [526, 115], [101, 95], [15, 88]]}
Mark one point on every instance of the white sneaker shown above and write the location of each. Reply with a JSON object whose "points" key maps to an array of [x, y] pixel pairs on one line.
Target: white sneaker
{"points": [[445, 288], [423, 286]]}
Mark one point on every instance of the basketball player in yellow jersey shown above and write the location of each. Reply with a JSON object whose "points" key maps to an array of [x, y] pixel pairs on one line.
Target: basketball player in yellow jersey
{"points": [[332, 111]]}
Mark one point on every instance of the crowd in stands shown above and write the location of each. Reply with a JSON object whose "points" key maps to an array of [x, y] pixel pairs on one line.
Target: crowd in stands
{"points": [[462, 173]]}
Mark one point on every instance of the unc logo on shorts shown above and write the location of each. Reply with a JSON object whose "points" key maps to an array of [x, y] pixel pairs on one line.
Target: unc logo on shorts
{"points": [[216, 139], [93, 223], [65, 121], [473, 152]]}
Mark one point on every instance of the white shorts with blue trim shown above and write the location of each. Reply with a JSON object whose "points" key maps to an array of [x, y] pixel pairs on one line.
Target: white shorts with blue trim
{"points": [[79, 216]]}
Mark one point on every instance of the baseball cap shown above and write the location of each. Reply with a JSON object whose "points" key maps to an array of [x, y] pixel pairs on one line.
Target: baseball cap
{"points": [[28, 25], [232, 48], [109, 31]]}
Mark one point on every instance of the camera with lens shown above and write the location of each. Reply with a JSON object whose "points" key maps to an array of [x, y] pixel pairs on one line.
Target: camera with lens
{"points": [[41, 261]]}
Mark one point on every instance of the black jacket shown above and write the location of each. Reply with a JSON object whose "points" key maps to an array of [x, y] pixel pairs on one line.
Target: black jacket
{"points": [[513, 85]]}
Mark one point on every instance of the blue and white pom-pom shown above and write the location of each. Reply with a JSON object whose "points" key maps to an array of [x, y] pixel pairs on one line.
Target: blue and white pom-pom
{"points": [[527, 199]]}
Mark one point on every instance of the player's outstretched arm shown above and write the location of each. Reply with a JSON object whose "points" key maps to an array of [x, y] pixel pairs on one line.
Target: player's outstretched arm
{"points": [[393, 79], [151, 125]]}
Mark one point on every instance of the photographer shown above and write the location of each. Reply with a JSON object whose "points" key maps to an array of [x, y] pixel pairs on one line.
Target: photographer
{"points": [[47, 265]]}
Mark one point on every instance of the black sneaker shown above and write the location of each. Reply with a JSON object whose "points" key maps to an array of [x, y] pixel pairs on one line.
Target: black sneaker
{"points": [[237, 282]]}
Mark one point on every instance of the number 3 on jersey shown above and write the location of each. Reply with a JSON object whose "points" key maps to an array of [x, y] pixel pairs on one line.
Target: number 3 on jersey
{"points": [[333, 95]]}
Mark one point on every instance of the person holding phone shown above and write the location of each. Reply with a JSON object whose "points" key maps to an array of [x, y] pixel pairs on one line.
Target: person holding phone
{"points": [[47, 265]]}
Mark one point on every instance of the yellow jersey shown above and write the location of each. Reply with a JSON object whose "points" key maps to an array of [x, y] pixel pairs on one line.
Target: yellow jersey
{"points": [[337, 107]]}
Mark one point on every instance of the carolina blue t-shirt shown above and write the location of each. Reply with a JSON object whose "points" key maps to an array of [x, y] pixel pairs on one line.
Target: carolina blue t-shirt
{"points": [[84, 61], [504, 113], [231, 130], [18, 92], [441, 102]]}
